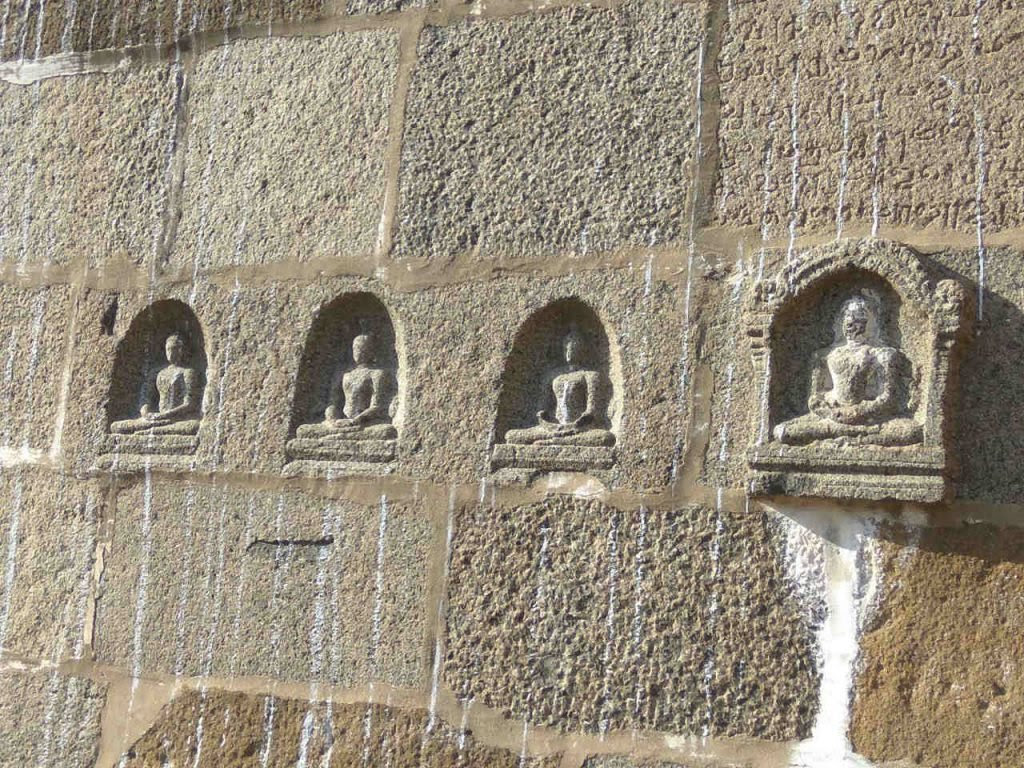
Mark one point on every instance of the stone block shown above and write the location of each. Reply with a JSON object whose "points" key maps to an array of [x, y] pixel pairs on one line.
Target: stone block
{"points": [[445, 431], [552, 134], [354, 7], [47, 541], [34, 329], [450, 423], [889, 113], [86, 167], [49, 720], [286, 150], [314, 733], [991, 404], [938, 683], [62, 26], [582, 616], [207, 580]]}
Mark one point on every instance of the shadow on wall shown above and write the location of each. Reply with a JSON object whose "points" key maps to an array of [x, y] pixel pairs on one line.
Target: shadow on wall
{"points": [[990, 413]]}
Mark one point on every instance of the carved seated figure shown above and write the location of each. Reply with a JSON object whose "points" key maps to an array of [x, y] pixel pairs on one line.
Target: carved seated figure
{"points": [[577, 418], [172, 399], [860, 388], [359, 406]]}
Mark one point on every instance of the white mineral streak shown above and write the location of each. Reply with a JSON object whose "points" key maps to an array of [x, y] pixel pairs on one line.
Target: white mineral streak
{"points": [[831, 566]]}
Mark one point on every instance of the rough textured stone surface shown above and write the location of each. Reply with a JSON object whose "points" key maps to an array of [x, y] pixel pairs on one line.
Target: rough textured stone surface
{"points": [[586, 617], [335, 735], [34, 330], [561, 133], [939, 681], [73, 25], [382, 6], [992, 398], [259, 584], [47, 540], [446, 431], [625, 762], [86, 167], [48, 720], [887, 110], [286, 145]]}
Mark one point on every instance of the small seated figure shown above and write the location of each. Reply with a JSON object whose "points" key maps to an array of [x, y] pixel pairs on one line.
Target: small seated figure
{"points": [[577, 418], [860, 388], [359, 406], [172, 398]]}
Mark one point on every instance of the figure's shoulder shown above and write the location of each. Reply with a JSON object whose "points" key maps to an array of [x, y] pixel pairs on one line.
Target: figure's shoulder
{"points": [[887, 354]]}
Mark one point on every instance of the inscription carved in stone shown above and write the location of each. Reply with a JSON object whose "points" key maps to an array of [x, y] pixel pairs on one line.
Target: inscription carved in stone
{"points": [[347, 393], [557, 395], [855, 346]]}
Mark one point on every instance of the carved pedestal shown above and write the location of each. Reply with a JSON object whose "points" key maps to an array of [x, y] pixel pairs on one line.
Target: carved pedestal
{"points": [[136, 452], [322, 458], [552, 458]]}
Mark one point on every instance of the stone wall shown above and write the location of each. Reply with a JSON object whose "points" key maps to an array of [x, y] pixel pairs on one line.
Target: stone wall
{"points": [[463, 183]]}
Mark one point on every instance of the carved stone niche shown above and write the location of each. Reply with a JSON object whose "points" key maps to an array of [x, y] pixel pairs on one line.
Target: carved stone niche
{"points": [[346, 417], [855, 350], [558, 410], [154, 408]]}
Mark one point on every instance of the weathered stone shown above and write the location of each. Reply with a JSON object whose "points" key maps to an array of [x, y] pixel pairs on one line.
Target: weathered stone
{"points": [[543, 135], [34, 327], [586, 617], [86, 167], [282, 731], [285, 157], [382, 6], [991, 405], [625, 762], [445, 433], [47, 540], [259, 584], [61, 26], [938, 681], [49, 720], [890, 112]]}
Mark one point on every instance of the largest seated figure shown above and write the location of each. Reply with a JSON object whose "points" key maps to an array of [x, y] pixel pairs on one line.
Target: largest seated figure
{"points": [[172, 398], [578, 416], [860, 388], [360, 401]]}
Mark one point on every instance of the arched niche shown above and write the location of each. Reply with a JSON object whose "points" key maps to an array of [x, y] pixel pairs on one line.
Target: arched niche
{"points": [[327, 357], [537, 357], [140, 354], [169, 437], [915, 322]]}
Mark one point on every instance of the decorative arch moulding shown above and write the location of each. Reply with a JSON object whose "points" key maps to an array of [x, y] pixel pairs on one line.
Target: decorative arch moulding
{"points": [[855, 348]]}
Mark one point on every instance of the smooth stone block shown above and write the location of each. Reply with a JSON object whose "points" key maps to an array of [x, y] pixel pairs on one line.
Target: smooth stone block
{"points": [[251, 583]]}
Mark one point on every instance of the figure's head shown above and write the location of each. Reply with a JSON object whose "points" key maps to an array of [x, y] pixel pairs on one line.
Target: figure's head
{"points": [[573, 347], [858, 320], [363, 349], [174, 348]]}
